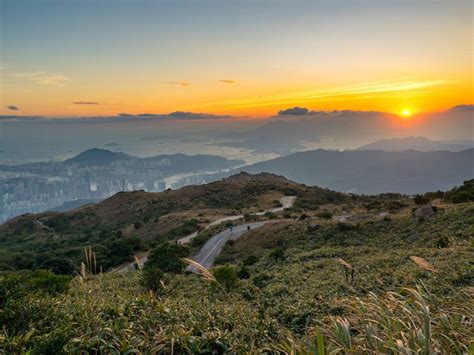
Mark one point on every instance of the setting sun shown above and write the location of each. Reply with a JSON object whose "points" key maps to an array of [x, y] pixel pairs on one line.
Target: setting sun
{"points": [[406, 112]]}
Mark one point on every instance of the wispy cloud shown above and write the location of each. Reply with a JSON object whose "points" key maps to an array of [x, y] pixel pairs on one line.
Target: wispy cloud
{"points": [[371, 89], [86, 103], [178, 83], [227, 81], [13, 107], [44, 78]]}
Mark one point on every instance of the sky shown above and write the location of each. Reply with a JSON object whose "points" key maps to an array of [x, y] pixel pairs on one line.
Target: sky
{"points": [[245, 58]]}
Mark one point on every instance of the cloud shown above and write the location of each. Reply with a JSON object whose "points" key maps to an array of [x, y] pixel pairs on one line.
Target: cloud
{"points": [[44, 78], [463, 108], [295, 111], [19, 118], [8, 117], [227, 81], [178, 83], [13, 107], [86, 103], [183, 115]]}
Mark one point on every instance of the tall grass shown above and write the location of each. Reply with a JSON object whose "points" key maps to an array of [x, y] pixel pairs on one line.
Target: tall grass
{"points": [[407, 322]]}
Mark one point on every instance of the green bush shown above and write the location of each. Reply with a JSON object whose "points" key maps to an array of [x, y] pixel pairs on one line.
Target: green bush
{"points": [[22, 283], [325, 214], [277, 253], [152, 279], [226, 276], [60, 266], [421, 200], [250, 260], [168, 257], [243, 272], [464, 193]]}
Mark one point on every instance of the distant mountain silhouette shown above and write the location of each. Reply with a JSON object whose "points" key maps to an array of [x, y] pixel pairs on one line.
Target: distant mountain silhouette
{"points": [[372, 172], [167, 163], [421, 144], [97, 157]]}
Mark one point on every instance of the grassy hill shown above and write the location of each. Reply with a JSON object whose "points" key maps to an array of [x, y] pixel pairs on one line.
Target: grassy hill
{"points": [[343, 274], [130, 222]]}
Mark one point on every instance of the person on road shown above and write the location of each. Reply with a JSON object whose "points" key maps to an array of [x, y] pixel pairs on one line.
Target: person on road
{"points": [[231, 228], [248, 228]]}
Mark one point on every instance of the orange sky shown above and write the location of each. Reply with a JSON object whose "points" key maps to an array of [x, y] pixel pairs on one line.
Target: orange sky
{"points": [[246, 59]]}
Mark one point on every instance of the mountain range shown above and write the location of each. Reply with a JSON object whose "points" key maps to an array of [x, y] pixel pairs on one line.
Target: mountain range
{"points": [[421, 144], [373, 171]]}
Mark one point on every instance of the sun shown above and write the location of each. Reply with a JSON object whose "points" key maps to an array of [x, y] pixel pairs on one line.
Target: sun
{"points": [[406, 112]]}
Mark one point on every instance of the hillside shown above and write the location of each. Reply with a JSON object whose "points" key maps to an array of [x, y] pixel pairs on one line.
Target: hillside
{"points": [[130, 222], [381, 281], [373, 172]]}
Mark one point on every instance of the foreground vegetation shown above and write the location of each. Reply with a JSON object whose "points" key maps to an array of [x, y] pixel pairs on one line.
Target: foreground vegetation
{"points": [[383, 284]]}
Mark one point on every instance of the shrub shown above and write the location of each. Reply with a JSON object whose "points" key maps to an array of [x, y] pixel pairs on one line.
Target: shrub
{"points": [[226, 276], [168, 257], [270, 215], [443, 242], [250, 260], [59, 266], [277, 253], [421, 200], [243, 272], [152, 279], [345, 227], [22, 283], [137, 225], [325, 214], [464, 193], [261, 280], [249, 217]]}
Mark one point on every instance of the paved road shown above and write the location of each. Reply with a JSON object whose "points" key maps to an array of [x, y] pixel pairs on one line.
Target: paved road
{"points": [[214, 245], [286, 201]]}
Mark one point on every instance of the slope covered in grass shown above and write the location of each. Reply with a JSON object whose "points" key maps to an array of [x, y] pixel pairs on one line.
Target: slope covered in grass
{"points": [[293, 295], [130, 222]]}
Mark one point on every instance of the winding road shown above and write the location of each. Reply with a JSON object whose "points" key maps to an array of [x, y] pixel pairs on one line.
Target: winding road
{"points": [[212, 248]]}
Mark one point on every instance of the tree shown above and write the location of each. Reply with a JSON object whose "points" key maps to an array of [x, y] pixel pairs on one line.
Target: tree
{"points": [[168, 257]]}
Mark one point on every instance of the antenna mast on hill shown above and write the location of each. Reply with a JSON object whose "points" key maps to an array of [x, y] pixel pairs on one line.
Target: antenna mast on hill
{"points": [[123, 185]]}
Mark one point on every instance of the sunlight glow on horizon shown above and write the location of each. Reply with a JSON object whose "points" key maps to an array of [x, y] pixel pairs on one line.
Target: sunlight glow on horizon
{"points": [[406, 113], [160, 57]]}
